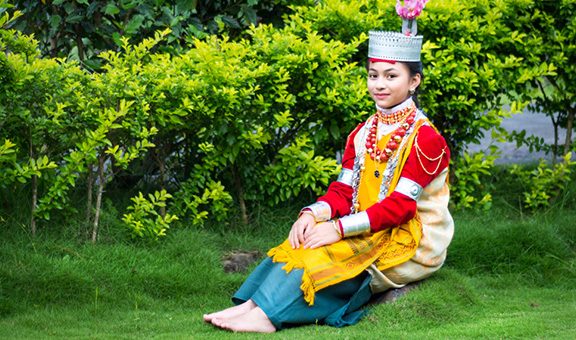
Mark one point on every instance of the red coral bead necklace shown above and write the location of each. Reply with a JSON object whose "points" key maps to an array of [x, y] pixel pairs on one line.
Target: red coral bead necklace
{"points": [[406, 117]]}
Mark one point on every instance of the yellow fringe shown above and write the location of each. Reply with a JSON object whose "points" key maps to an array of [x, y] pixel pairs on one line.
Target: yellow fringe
{"points": [[307, 288], [278, 254]]}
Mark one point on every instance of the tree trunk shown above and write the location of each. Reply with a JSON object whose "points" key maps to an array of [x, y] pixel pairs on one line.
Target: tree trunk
{"points": [[34, 203], [162, 170], [89, 196], [569, 126], [240, 192], [79, 42], [101, 181], [34, 183], [556, 145], [53, 48]]}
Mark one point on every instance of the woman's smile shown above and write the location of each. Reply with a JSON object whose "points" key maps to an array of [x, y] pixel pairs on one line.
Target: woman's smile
{"points": [[381, 95]]}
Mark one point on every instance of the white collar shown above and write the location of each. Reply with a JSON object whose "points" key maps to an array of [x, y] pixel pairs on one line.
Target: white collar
{"points": [[396, 108]]}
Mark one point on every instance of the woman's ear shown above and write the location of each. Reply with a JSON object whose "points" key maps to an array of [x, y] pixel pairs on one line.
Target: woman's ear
{"points": [[415, 81]]}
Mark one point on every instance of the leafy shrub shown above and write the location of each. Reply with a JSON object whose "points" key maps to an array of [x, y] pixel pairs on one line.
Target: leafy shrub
{"points": [[213, 201], [471, 175], [145, 220], [297, 169], [544, 184], [249, 119], [247, 103], [81, 29], [548, 32], [13, 171]]}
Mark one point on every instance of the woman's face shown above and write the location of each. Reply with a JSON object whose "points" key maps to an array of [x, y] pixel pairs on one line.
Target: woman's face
{"points": [[390, 84]]}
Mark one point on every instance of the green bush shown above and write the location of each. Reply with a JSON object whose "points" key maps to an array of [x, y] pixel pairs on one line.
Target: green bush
{"points": [[80, 29], [545, 183], [255, 119], [145, 220], [472, 174]]}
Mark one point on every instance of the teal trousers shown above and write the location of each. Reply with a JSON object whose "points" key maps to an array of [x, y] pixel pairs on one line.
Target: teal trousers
{"points": [[279, 295]]}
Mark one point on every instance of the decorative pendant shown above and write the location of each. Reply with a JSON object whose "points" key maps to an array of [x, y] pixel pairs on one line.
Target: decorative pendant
{"points": [[377, 173]]}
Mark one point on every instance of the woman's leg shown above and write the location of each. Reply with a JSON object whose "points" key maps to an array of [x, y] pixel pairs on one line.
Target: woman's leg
{"points": [[271, 299], [280, 299], [285, 306]]}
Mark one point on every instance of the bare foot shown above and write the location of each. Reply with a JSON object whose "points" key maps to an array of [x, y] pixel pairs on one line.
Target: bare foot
{"points": [[253, 321], [231, 312]]}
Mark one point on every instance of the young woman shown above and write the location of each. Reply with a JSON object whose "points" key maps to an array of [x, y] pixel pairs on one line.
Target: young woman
{"points": [[383, 224]]}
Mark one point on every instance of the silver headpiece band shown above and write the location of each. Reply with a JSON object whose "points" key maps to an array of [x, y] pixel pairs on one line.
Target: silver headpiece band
{"points": [[394, 46]]}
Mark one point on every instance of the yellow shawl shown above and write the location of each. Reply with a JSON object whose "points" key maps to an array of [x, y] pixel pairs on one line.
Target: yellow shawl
{"points": [[347, 258]]}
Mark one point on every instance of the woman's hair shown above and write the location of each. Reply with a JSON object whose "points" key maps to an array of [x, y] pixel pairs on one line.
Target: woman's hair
{"points": [[414, 67]]}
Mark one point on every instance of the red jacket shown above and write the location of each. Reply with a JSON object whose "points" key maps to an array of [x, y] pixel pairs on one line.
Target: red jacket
{"points": [[397, 208]]}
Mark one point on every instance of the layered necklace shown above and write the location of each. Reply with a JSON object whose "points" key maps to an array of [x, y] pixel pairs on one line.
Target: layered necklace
{"points": [[405, 117]]}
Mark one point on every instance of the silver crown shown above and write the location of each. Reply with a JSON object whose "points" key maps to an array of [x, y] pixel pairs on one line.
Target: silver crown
{"points": [[394, 46]]}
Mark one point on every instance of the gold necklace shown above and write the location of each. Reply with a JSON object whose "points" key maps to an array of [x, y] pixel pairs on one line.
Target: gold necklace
{"points": [[393, 118]]}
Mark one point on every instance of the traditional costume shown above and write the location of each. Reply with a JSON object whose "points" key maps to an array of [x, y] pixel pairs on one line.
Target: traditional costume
{"points": [[390, 204]]}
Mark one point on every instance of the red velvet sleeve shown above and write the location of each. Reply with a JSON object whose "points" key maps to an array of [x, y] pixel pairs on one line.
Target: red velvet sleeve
{"points": [[339, 195], [422, 168]]}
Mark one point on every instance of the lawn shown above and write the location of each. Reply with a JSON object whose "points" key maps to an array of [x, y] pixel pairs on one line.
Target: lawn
{"points": [[509, 275]]}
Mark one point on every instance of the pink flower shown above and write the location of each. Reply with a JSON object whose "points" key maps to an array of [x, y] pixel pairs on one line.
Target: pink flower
{"points": [[411, 8]]}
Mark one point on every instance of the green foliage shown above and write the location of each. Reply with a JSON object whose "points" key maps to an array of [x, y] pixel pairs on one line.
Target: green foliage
{"points": [[548, 78], [145, 221], [297, 169], [252, 119], [14, 171], [28, 112], [214, 201], [7, 160], [22, 173], [473, 72], [5, 17], [545, 183], [468, 67], [82, 29], [246, 102], [472, 187]]}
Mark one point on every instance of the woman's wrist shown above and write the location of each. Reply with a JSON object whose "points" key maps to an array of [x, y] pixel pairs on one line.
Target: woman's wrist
{"points": [[307, 212], [337, 227], [320, 210]]}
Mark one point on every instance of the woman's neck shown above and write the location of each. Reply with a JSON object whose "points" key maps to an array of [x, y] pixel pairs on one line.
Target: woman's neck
{"points": [[393, 109]]}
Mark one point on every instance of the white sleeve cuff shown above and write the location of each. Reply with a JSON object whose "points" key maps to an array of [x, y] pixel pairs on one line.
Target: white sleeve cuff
{"points": [[321, 211], [355, 224], [409, 188], [346, 176]]}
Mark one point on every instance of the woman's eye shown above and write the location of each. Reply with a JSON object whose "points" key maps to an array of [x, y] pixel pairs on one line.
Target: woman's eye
{"points": [[391, 76]]}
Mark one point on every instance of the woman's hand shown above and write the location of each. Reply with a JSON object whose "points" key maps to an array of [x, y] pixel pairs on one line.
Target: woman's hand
{"points": [[322, 234], [303, 224]]}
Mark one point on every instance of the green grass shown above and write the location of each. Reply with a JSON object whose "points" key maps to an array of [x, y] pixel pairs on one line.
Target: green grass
{"points": [[509, 275]]}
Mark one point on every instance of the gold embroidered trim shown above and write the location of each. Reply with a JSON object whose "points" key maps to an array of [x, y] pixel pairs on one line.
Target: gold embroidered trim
{"points": [[420, 152]]}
